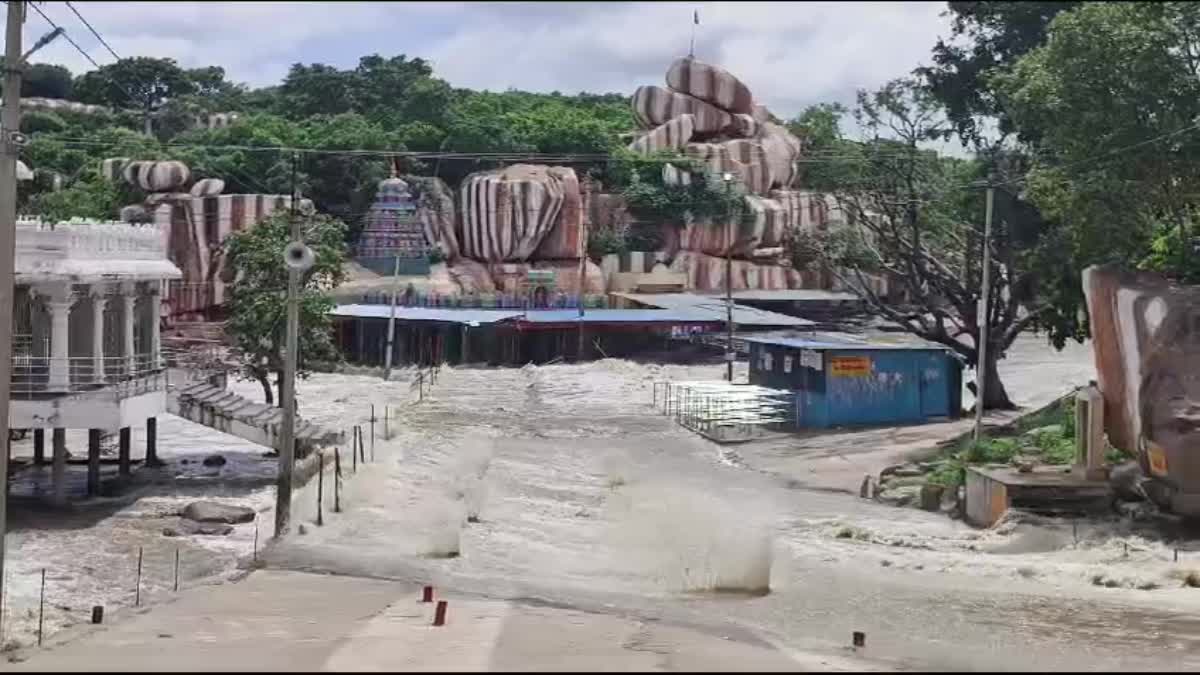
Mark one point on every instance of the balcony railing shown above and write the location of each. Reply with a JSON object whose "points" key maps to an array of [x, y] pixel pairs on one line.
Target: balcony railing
{"points": [[40, 376]]}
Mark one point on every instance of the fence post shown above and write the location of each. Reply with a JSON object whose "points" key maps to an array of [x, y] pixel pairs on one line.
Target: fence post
{"points": [[337, 480], [362, 446], [176, 569], [354, 450], [320, 486], [386, 432], [41, 606], [372, 434], [137, 592]]}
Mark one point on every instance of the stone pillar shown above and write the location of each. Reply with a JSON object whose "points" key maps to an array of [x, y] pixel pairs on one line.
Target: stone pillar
{"points": [[58, 479], [93, 467], [99, 296], [123, 452], [39, 446], [128, 298], [58, 298], [152, 442], [155, 300]]}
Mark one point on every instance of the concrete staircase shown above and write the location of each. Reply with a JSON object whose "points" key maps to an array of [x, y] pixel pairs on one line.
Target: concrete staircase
{"points": [[202, 401]]}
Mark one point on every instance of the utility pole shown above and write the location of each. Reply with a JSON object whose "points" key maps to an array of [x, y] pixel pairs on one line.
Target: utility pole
{"points": [[983, 314], [730, 353], [287, 394], [10, 125], [391, 334], [582, 284]]}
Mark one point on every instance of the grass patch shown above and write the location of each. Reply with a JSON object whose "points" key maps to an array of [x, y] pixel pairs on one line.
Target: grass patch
{"points": [[1047, 436]]}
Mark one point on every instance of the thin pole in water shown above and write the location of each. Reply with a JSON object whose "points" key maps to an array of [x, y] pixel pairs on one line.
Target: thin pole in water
{"points": [[137, 591], [176, 569], [354, 453], [41, 606], [337, 480], [320, 486], [255, 554], [372, 434]]}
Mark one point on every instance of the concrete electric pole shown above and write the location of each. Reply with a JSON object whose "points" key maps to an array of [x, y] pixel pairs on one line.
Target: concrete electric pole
{"points": [[298, 258], [983, 315], [10, 142], [730, 352]]}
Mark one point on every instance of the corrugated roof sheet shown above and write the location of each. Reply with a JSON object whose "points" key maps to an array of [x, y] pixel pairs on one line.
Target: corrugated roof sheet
{"points": [[794, 294], [842, 341], [715, 309], [484, 316], [450, 315]]}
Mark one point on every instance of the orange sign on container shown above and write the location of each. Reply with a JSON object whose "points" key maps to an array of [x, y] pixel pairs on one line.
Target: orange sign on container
{"points": [[850, 366]]}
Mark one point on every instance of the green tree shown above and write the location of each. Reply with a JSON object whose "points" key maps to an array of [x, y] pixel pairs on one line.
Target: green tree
{"points": [[1110, 105], [257, 303], [918, 218], [45, 80], [316, 89], [141, 83], [986, 37]]}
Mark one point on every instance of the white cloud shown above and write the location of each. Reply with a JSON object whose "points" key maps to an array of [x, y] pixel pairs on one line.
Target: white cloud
{"points": [[790, 54]]}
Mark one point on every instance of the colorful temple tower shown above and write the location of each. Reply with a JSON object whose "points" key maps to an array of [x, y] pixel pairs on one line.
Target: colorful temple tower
{"points": [[393, 231]]}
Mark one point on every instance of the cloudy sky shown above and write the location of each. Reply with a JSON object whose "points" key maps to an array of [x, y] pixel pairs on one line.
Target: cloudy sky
{"points": [[790, 54]]}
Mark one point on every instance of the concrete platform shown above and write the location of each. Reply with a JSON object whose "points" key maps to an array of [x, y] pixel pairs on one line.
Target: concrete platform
{"points": [[290, 621], [991, 491]]}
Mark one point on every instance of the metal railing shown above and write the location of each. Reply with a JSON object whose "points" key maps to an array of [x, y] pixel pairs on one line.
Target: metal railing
{"points": [[38, 376]]}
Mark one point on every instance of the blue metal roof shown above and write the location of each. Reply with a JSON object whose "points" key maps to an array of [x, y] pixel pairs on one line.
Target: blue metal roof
{"points": [[472, 317], [618, 316], [828, 341], [476, 317], [714, 308]]}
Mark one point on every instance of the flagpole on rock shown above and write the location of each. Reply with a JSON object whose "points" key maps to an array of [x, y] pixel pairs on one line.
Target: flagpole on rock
{"points": [[695, 22]]}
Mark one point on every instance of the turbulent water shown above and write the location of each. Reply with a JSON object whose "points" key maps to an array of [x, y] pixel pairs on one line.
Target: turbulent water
{"points": [[562, 483]]}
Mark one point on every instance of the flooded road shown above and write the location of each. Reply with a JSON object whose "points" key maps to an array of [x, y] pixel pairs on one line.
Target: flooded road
{"points": [[562, 484]]}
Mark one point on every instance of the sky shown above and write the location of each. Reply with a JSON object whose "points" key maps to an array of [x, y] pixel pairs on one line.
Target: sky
{"points": [[791, 54]]}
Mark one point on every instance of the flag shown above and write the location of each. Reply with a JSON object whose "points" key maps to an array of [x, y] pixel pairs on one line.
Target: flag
{"points": [[696, 17]]}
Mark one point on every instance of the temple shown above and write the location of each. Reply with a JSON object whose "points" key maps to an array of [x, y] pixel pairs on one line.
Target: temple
{"points": [[393, 233]]}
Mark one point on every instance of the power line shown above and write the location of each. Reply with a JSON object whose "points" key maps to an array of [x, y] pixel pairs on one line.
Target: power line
{"points": [[89, 27], [64, 34]]}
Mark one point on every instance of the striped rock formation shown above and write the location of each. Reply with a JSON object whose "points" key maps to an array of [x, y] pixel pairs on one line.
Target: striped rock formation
{"points": [[706, 272], [168, 176], [710, 83], [113, 168], [673, 134], [654, 106], [507, 213], [744, 158], [435, 211], [207, 187], [198, 226], [567, 238]]}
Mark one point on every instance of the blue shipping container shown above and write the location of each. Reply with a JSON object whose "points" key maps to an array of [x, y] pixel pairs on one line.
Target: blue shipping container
{"points": [[845, 381]]}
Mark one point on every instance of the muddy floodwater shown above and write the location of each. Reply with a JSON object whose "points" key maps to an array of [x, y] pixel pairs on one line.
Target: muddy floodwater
{"points": [[564, 485]]}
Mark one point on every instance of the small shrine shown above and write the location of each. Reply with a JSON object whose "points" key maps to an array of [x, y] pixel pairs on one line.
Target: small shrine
{"points": [[393, 232]]}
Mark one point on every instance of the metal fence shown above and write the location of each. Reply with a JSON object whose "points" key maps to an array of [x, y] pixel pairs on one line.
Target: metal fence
{"points": [[725, 411]]}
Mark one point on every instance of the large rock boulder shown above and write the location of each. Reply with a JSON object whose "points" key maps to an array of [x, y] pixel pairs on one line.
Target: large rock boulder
{"points": [[507, 213], [566, 238], [654, 106], [213, 512], [673, 134], [710, 83]]}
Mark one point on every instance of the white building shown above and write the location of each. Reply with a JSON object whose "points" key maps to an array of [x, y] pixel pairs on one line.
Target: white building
{"points": [[86, 351]]}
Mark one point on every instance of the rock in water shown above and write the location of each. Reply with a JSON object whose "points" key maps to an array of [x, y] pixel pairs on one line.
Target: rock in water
{"points": [[187, 527], [214, 460], [1126, 480], [212, 512]]}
